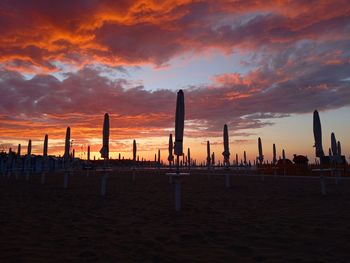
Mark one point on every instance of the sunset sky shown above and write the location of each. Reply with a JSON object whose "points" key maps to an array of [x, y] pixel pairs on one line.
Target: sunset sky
{"points": [[262, 67]]}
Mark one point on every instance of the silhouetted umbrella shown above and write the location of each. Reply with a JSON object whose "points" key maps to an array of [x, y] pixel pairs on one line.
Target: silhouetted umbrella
{"points": [[261, 156], [226, 152], [45, 145], [245, 157], [179, 123], [339, 148], [318, 135], [134, 151], [334, 145], [88, 153], [29, 149], [189, 156], [67, 144], [274, 159], [105, 148], [27, 160], [170, 148], [208, 153], [158, 156], [19, 150]]}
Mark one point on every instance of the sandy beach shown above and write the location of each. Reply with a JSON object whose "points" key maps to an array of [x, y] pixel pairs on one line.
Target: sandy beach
{"points": [[275, 220]]}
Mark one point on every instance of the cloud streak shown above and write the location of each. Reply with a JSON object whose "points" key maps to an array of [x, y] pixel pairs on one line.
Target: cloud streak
{"points": [[134, 32], [244, 102]]}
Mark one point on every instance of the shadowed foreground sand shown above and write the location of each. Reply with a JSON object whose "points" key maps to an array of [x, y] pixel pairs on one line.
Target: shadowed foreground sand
{"points": [[280, 219]]}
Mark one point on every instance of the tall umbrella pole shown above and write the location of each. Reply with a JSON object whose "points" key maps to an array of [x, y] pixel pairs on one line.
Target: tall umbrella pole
{"points": [[226, 155], [178, 147], [28, 160], [134, 149], [261, 156], [45, 150], [66, 158], [105, 153], [170, 148]]}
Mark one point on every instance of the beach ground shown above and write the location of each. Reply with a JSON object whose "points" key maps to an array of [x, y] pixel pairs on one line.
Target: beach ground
{"points": [[278, 219]]}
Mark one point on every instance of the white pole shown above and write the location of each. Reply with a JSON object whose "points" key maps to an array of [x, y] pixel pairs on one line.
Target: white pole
{"points": [[227, 181], [16, 175], [43, 177], [104, 179], [65, 180], [177, 194], [336, 177], [323, 184], [133, 174], [27, 174], [170, 179], [104, 184]]}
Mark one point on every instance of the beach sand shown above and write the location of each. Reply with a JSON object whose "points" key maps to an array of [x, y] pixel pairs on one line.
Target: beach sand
{"points": [[275, 220]]}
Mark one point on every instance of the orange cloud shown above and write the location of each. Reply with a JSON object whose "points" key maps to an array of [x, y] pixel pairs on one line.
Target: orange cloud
{"points": [[37, 34]]}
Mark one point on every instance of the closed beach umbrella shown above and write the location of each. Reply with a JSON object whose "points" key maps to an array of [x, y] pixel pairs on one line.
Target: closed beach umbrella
{"points": [[29, 149], [339, 148], [317, 135], [189, 156], [274, 159], [179, 123], [261, 156], [105, 133], [88, 153], [334, 145], [226, 152], [45, 145], [27, 160], [67, 144], [208, 153], [134, 151], [19, 150], [170, 148], [245, 157]]}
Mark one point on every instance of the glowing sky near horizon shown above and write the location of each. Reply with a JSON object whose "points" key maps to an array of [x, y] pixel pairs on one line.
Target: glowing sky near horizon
{"points": [[261, 67]]}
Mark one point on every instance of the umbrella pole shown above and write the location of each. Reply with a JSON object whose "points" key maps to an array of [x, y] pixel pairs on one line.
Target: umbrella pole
{"points": [[177, 186], [43, 173], [177, 164], [227, 181], [104, 179], [27, 168], [323, 184], [66, 174]]}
